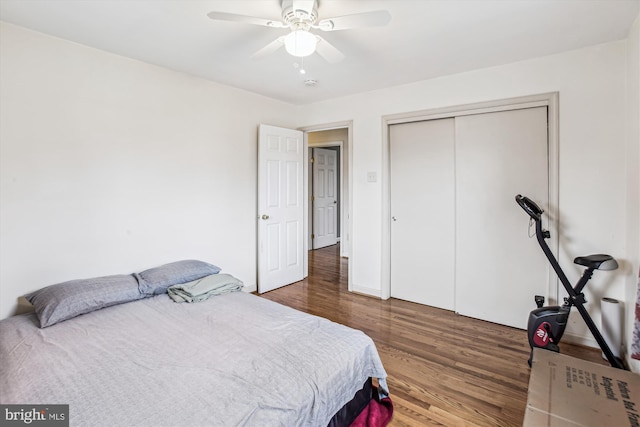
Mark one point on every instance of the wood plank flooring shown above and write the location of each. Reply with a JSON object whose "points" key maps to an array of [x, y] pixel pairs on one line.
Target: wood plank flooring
{"points": [[443, 368]]}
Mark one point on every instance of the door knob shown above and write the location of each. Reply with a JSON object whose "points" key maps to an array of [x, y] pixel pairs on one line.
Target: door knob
{"points": [[265, 216], [393, 218], [334, 202]]}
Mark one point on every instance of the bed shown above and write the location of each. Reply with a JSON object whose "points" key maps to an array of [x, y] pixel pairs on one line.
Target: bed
{"points": [[230, 359]]}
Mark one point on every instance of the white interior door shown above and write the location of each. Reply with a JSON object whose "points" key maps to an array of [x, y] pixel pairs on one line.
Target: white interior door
{"points": [[422, 212], [280, 207], [325, 198], [498, 269]]}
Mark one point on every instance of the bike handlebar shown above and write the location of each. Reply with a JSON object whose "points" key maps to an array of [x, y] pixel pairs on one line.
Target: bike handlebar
{"points": [[530, 207]]}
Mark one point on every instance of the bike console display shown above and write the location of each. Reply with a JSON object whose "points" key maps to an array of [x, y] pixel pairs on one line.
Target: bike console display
{"points": [[530, 207]]}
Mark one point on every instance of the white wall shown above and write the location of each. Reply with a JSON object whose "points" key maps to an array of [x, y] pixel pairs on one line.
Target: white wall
{"points": [[593, 188], [633, 176], [110, 165]]}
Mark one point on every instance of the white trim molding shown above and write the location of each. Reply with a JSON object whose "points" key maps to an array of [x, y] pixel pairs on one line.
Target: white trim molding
{"points": [[550, 100]]}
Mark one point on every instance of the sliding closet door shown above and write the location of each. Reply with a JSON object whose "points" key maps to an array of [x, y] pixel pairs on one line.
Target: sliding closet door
{"points": [[498, 268], [422, 212]]}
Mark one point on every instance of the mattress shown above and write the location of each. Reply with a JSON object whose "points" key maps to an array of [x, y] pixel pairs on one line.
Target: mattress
{"points": [[234, 359]]}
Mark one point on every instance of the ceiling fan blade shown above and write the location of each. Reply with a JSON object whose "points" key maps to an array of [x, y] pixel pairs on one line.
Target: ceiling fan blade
{"points": [[376, 18], [269, 49], [223, 16], [328, 51]]}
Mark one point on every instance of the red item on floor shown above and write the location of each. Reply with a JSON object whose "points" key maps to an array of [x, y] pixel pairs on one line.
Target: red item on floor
{"points": [[378, 413]]}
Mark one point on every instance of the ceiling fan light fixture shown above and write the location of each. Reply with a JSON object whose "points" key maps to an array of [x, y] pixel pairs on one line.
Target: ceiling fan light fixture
{"points": [[300, 43]]}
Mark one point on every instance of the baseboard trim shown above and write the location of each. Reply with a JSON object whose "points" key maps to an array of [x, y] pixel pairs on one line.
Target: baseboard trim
{"points": [[250, 288], [579, 340], [370, 292]]}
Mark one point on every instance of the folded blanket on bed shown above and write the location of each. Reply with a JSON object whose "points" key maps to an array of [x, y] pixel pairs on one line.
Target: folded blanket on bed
{"points": [[201, 289]]}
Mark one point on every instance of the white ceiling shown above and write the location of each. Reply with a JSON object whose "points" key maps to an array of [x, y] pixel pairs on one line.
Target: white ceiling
{"points": [[425, 38]]}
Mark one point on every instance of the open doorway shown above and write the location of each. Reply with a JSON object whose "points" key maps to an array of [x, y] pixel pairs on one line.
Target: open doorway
{"points": [[325, 206], [329, 190]]}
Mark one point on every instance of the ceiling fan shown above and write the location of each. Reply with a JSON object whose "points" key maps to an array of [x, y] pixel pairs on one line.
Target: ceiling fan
{"points": [[300, 17]]}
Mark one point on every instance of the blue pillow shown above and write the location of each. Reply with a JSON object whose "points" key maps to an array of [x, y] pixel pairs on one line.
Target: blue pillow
{"points": [[63, 301], [156, 280]]}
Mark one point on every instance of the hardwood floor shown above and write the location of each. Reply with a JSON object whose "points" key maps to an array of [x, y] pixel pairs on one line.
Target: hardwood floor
{"points": [[443, 368]]}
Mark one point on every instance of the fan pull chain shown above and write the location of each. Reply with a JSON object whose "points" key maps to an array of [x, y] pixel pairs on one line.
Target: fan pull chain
{"points": [[302, 70]]}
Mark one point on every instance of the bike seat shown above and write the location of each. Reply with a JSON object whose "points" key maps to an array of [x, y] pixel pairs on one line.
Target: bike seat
{"points": [[597, 262]]}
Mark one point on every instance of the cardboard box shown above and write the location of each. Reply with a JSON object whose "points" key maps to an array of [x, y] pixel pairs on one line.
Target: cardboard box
{"points": [[565, 391]]}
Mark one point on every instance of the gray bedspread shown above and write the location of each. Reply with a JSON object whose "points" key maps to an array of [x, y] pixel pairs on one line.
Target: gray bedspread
{"points": [[234, 359]]}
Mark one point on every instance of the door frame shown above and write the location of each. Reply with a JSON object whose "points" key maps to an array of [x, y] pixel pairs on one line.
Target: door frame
{"points": [[345, 170], [339, 144], [550, 100]]}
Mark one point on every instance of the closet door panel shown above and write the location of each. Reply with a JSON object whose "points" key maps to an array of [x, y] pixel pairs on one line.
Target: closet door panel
{"points": [[498, 268], [422, 212]]}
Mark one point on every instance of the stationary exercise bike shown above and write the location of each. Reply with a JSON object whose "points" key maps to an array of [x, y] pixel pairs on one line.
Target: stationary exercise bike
{"points": [[547, 324]]}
